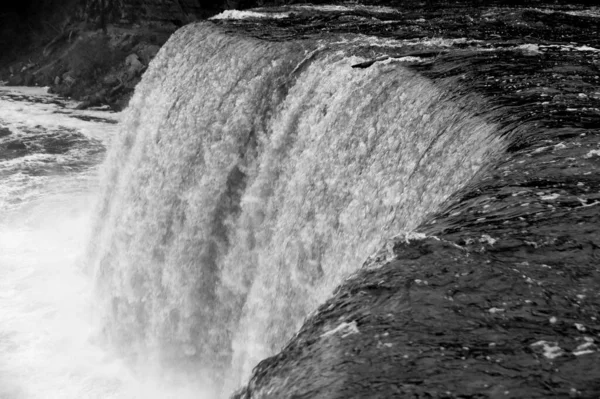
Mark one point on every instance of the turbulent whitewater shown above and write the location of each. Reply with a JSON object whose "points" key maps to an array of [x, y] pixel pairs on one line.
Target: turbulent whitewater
{"points": [[49, 155], [251, 177]]}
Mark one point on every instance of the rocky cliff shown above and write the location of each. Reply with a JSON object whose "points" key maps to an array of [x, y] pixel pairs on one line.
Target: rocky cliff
{"points": [[92, 50], [178, 12]]}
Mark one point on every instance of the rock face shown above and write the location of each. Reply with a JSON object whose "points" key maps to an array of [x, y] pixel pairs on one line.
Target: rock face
{"points": [[179, 12], [498, 295], [74, 46]]}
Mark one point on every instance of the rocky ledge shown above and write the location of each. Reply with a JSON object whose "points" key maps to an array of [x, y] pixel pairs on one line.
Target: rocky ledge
{"points": [[498, 295], [92, 66], [93, 51]]}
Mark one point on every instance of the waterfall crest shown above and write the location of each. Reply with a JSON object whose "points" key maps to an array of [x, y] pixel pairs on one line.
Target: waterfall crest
{"points": [[250, 177]]}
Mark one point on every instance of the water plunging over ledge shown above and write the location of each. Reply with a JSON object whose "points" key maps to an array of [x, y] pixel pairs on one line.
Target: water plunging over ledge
{"points": [[250, 178]]}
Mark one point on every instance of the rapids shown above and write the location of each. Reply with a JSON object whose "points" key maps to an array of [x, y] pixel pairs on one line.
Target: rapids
{"points": [[249, 178], [48, 177], [49, 342]]}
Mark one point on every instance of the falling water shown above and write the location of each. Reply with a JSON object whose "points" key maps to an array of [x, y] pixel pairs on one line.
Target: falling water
{"points": [[48, 178], [250, 178]]}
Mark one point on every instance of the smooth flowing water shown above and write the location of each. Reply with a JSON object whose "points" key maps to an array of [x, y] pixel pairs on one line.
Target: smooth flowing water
{"points": [[246, 180]]}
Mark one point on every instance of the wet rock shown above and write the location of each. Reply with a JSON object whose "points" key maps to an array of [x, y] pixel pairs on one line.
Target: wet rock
{"points": [[68, 80], [119, 102], [93, 100], [148, 52], [86, 59], [15, 80], [134, 64], [110, 80], [16, 67], [28, 79], [164, 11], [30, 65]]}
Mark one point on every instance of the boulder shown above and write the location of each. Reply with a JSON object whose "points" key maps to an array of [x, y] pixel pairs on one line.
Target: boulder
{"points": [[147, 53], [28, 79], [110, 80], [68, 79], [15, 80], [133, 63]]}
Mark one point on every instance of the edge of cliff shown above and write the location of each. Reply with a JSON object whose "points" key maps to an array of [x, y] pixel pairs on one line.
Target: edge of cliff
{"points": [[497, 296]]}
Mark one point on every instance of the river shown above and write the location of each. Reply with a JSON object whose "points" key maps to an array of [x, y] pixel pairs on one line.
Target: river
{"points": [[49, 178]]}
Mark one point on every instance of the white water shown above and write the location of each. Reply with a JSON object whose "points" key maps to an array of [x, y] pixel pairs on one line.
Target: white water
{"points": [[259, 13], [250, 178], [48, 342], [45, 328]]}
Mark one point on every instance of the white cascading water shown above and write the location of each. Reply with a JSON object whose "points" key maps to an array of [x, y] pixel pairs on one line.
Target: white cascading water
{"points": [[249, 178], [49, 346], [48, 182]]}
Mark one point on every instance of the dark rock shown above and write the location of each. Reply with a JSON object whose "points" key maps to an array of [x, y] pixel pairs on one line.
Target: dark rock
{"points": [[110, 80], [15, 80], [366, 64], [129, 11], [28, 79], [147, 53], [93, 100], [134, 64], [119, 102], [4, 132], [68, 80]]}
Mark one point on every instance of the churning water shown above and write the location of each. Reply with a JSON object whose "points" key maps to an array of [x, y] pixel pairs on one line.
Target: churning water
{"points": [[247, 179], [49, 342], [47, 180]]}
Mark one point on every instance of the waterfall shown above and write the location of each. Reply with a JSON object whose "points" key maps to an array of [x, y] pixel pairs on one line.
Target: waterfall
{"points": [[250, 177]]}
